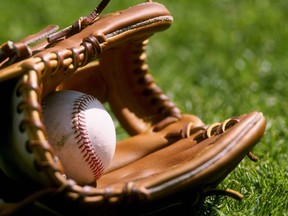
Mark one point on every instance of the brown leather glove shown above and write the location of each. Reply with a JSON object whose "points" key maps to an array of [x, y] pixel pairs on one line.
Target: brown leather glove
{"points": [[170, 159]]}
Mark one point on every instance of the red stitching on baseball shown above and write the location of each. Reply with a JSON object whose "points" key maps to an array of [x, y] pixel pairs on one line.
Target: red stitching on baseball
{"points": [[83, 141]]}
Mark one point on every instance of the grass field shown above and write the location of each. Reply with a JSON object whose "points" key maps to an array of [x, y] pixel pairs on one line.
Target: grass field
{"points": [[219, 59]]}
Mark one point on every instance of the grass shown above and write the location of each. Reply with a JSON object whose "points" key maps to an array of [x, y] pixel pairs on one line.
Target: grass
{"points": [[219, 59]]}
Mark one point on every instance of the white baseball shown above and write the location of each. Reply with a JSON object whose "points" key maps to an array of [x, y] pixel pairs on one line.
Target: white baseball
{"points": [[81, 132]]}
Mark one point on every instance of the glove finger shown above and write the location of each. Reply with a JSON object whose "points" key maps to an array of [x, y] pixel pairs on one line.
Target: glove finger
{"points": [[190, 151]]}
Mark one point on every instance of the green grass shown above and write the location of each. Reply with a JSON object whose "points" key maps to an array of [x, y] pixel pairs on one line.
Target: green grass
{"points": [[219, 59]]}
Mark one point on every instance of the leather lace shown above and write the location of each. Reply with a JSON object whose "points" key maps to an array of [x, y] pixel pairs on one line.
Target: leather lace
{"points": [[168, 111], [11, 52]]}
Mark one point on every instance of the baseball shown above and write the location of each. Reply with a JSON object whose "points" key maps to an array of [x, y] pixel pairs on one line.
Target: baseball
{"points": [[81, 132]]}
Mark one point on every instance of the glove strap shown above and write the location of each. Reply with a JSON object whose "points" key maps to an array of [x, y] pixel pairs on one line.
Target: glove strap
{"points": [[79, 24]]}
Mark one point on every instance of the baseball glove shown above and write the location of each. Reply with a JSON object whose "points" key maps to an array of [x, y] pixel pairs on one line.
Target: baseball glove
{"points": [[169, 160]]}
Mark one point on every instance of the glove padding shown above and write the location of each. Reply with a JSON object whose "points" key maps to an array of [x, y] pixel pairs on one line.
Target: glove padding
{"points": [[170, 157]]}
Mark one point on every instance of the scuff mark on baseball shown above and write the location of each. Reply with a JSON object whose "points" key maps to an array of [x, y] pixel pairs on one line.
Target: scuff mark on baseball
{"points": [[81, 132]]}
